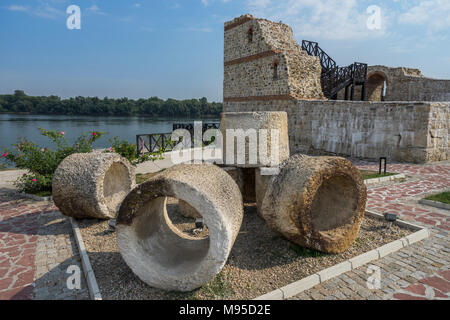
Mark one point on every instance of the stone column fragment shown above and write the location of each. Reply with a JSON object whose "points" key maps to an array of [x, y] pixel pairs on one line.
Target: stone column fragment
{"points": [[316, 202], [254, 139], [156, 251], [263, 177], [92, 185]]}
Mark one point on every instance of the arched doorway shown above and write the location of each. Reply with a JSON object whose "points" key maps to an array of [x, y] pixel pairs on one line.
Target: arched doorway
{"points": [[376, 85]]}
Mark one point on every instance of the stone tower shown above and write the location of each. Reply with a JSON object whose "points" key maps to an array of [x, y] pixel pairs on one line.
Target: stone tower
{"points": [[263, 62]]}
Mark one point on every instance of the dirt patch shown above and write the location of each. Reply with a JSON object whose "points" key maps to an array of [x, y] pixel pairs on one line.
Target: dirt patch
{"points": [[261, 260]]}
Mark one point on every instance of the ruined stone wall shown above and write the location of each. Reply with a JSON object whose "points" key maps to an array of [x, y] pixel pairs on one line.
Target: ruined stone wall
{"points": [[403, 84], [407, 84], [406, 132], [262, 61], [402, 131]]}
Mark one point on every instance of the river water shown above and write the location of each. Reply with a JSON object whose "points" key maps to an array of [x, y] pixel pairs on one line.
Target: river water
{"points": [[12, 127]]}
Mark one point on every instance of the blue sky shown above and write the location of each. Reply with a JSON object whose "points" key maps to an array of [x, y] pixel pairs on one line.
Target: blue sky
{"points": [[174, 48]]}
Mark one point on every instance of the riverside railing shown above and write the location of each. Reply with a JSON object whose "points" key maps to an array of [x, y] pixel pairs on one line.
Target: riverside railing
{"points": [[157, 142]]}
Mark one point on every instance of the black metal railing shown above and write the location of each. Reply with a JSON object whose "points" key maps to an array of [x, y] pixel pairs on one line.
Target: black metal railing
{"points": [[190, 126], [154, 143], [312, 48], [162, 142], [333, 77]]}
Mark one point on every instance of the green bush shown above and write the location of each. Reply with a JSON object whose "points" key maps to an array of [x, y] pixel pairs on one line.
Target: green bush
{"points": [[128, 151], [41, 163]]}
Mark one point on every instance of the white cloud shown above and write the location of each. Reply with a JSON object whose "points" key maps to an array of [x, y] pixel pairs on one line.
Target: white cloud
{"points": [[328, 19], [95, 9], [137, 5], [208, 2], [17, 8], [43, 10], [433, 14]]}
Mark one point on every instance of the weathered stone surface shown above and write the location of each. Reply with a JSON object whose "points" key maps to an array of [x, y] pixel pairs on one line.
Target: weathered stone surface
{"points": [[403, 84], [316, 202], [263, 59], [263, 177], [187, 210], [401, 131], [252, 148], [245, 179], [92, 185], [266, 70], [161, 255]]}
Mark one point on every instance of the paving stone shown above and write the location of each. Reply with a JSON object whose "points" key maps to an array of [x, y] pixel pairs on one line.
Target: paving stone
{"points": [[422, 261], [42, 244]]}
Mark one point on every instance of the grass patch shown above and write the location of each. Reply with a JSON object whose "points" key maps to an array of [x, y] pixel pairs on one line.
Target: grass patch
{"points": [[443, 197], [373, 174], [218, 288], [43, 194], [305, 252]]}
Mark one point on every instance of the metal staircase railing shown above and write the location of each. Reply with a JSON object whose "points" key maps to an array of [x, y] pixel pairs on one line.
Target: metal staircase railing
{"points": [[335, 78]]}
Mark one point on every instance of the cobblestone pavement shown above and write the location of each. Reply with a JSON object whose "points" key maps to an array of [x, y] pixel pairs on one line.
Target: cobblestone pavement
{"points": [[420, 271], [36, 247]]}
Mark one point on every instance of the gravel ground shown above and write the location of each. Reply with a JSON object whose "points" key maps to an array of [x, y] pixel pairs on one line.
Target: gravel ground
{"points": [[261, 260]]}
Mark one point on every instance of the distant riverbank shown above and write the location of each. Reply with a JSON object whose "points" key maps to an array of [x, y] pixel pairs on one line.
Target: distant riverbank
{"points": [[175, 118], [14, 126], [20, 102]]}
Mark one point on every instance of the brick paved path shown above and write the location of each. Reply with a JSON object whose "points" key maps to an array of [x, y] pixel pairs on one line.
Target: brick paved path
{"points": [[36, 247], [419, 271]]}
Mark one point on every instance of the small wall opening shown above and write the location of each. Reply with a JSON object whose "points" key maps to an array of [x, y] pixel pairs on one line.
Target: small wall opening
{"points": [[376, 86], [250, 35], [275, 70]]}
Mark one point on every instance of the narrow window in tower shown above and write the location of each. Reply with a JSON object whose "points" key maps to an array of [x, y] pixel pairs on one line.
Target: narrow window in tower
{"points": [[275, 70], [250, 35]]}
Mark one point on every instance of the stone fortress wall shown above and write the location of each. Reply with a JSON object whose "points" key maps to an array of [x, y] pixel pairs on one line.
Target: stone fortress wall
{"points": [[262, 61], [402, 84], [404, 130]]}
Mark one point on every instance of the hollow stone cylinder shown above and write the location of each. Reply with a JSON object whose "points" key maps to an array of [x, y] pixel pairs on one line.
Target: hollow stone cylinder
{"points": [[187, 210], [92, 185], [156, 251], [316, 202], [254, 139]]}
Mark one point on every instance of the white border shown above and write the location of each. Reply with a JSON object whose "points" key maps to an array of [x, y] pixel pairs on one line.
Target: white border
{"points": [[94, 290], [384, 179]]}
